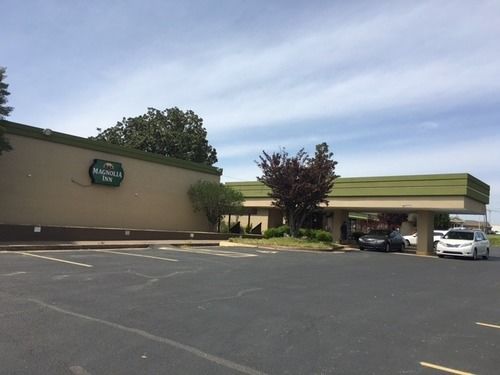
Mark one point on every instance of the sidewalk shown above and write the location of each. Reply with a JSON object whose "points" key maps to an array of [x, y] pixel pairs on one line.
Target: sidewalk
{"points": [[28, 246]]}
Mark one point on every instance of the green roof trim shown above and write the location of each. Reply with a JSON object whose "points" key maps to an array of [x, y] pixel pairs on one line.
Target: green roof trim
{"points": [[452, 184], [74, 141]]}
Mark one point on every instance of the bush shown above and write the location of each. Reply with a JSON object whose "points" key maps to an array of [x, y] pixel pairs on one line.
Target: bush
{"points": [[322, 235], [310, 234], [277, 232], [224, 228], [306, 233]]}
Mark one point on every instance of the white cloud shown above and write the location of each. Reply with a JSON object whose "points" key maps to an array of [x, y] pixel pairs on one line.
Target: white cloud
{"points": [[330, 71]]}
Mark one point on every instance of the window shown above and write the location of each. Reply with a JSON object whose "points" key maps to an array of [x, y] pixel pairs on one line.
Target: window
{"points": [[459, 235]]}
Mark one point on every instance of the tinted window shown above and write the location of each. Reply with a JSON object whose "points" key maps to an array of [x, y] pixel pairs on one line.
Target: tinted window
{"points": [[456, 235], [438, 234], [379, 232], [479, 236]]}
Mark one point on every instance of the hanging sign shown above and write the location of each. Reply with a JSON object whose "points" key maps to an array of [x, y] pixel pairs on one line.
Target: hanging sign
{"points": [[105, 172]]}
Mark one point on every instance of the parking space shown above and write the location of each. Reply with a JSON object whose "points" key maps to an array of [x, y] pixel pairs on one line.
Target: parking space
{"points": [[216, 310]]}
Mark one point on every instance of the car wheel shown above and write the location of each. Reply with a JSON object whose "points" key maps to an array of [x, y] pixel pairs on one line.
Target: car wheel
{"points": [[440, 256], [361, 248], [402, 248], [435, 244], [407, 243], [387, 247], [487, 255], [474, 255]]}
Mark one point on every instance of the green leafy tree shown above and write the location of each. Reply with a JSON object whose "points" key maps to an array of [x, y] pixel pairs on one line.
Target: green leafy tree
{"points": [[4, 110], [441, 221], [215, 200], [300, 183], [171, 132]]}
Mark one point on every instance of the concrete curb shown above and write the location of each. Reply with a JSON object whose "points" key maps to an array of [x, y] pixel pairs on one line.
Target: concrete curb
{"points": [[284, 248], [13, 246]]}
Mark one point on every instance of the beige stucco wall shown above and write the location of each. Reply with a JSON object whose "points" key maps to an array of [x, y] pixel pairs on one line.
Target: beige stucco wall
{"points": [[48, 183]]}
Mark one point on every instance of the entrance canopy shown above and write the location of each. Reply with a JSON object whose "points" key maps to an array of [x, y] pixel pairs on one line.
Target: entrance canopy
{"points": [[458, 193]]}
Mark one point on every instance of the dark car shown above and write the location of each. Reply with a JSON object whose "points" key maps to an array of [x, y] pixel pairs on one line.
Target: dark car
{"points": [[382, 239]]}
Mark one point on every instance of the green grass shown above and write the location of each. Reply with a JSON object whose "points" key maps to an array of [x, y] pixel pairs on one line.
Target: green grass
{"points": [[287, 242], [494, 239]]}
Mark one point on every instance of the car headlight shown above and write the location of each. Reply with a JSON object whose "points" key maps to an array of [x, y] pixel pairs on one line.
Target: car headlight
{"points": [[466, 244]]}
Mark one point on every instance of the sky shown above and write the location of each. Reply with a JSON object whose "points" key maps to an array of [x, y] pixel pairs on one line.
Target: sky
{"points": [[393, 87]]}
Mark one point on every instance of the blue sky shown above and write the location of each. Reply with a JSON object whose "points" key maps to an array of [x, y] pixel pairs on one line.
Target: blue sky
{"points": [[394, 87]]}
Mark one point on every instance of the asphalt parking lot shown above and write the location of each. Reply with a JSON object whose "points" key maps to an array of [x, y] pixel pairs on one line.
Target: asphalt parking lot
{"points": [[230, 311]]}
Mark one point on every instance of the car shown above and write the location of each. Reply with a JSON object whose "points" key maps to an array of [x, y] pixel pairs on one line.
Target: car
{"points": [[411, 240], [464, 243], [382, 239]]}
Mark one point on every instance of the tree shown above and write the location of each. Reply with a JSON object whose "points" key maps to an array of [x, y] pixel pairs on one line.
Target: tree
{"points": [[300, 183], [215, 200], [171, 132], [4, 110], [441, 221]]}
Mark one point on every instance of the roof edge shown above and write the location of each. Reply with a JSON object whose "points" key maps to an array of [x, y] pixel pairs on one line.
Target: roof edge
{"points": [[75, 141]]}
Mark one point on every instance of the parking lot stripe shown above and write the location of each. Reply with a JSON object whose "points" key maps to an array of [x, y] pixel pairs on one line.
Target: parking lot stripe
{"points": [[162, 340], [488, 325], [445, 369], [220, 253], [56, 259], [137, 255], [416, 255]]}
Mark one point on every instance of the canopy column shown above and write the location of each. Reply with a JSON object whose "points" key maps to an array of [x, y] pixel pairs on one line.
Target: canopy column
{"points": [[339, 217], [425, 230]]}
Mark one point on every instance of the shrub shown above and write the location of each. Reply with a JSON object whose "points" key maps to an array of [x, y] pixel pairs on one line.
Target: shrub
{"points": [[277, 232], [306, 233], [322, 235], [224, 228], [310, 234]]}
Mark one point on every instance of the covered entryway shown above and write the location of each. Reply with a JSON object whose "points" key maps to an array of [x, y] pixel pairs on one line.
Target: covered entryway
{"points": [[425, 195]]}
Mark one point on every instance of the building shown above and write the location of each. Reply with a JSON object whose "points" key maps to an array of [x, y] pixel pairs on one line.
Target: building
{"points": [[53, 181], [58, 186]]}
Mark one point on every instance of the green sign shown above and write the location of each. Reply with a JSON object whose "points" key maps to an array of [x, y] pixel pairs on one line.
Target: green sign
{"points": [[106, 172]]}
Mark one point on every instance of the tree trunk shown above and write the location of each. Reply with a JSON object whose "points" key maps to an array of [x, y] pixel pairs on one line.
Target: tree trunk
{"points": [[292, 224]]}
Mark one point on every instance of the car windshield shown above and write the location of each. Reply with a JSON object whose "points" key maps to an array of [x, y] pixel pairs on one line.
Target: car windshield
{"points": [[379, 232], [456, 235]]}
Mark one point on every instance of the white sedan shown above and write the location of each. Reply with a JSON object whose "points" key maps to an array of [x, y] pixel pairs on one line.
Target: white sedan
{"points": [[411, 240], [464, 243]]}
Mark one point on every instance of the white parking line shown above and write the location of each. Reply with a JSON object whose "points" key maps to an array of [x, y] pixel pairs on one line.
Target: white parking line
{"points": [[488, 325], [445, 369], [416, 255], [158, 339], [137, 255], [56, 259], [220, 253], [14, 273]]}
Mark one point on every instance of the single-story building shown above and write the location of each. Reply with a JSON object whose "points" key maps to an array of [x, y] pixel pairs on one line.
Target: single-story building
{"points": [[53, 181]]}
